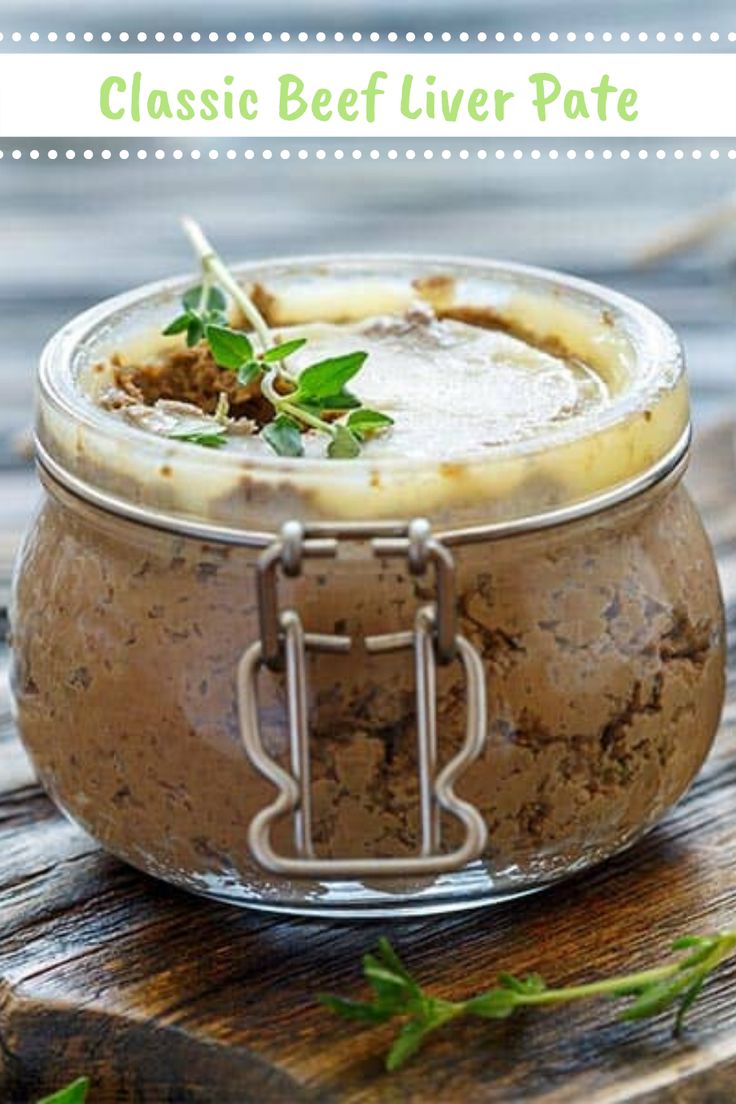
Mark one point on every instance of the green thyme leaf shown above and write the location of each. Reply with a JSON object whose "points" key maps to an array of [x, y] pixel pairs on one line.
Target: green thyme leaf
{"points": [[391, 989], [344, 445], [180, 323], [230, 348], [396, 994], [206, 440], [364, 422], [281, 352], [283, 435], [344, 401], [700, 953], [410, 1038], [192, 299], [328, 377], [390, 958], [76, 1093], [207, 434], [249, 372], [532, 983], [655, 998], [197, 315], [699, 941], [688, 1000], [195, 330]]}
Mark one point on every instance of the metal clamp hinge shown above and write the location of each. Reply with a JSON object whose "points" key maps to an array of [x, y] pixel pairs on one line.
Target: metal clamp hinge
{"points": [[283, 645]]}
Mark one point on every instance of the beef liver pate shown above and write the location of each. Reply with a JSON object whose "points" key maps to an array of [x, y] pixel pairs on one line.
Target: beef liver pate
{"points": [[601, 639]]}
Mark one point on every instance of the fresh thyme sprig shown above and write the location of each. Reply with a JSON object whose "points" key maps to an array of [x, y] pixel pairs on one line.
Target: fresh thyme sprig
{"points": [[202, 306], [397, 995], [317, 399]]}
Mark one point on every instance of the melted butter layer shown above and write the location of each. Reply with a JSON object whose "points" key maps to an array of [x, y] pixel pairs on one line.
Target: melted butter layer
{"points": [[452, 388]]}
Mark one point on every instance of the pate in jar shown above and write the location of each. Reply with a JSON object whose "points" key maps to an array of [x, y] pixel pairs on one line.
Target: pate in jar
{"points": [[481, 655]]}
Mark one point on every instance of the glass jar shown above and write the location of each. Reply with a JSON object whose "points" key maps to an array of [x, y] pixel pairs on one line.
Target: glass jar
{"points": [[375, 686]]}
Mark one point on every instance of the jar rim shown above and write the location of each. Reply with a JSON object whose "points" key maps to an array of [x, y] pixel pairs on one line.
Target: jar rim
{"points": [[658, 357], [666, 472]]}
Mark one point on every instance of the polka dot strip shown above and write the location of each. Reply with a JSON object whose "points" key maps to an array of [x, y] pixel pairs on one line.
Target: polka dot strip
{"points": [[267, 37], [357, 154]]}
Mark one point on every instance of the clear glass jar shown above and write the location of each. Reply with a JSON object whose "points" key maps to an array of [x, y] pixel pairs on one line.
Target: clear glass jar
{"points": [[535, 669]]}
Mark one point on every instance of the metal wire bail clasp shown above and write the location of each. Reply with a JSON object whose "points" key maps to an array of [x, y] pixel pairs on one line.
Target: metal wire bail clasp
{"points": [[433, 639]]}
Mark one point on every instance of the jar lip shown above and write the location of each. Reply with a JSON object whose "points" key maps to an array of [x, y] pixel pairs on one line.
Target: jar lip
{"points": [[668, 470], [658, 356], [659, 343]]}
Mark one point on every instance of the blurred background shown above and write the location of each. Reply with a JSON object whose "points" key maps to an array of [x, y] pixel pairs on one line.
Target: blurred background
{"points": [[76, 231]]}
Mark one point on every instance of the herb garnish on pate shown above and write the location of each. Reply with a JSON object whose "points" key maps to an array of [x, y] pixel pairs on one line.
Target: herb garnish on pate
{"points": [[316, 399]]}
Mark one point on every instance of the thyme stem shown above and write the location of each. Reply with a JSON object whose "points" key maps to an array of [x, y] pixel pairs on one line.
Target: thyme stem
{"points": [[214, 267], [606, 987], [308, 419], [282, 405]]}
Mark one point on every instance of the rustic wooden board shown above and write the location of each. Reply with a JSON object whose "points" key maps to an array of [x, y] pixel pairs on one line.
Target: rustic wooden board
{"points": [[158, 996]]}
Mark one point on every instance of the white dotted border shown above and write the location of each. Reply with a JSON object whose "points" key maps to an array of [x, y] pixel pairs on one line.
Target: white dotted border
{"points": [[516, 37], [372, 154]]}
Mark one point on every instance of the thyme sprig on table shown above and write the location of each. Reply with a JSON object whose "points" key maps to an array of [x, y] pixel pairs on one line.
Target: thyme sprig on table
{"points": [[398, 995], [316, 399]]}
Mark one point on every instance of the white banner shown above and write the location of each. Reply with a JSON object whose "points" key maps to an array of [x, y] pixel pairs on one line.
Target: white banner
{"points": [[368, 95]]}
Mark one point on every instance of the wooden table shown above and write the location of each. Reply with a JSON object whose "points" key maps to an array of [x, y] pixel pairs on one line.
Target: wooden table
{"points": [[159, 996]]}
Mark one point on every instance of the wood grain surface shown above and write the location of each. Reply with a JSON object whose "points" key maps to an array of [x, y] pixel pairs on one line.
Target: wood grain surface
{"points": [[159, 996]]}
